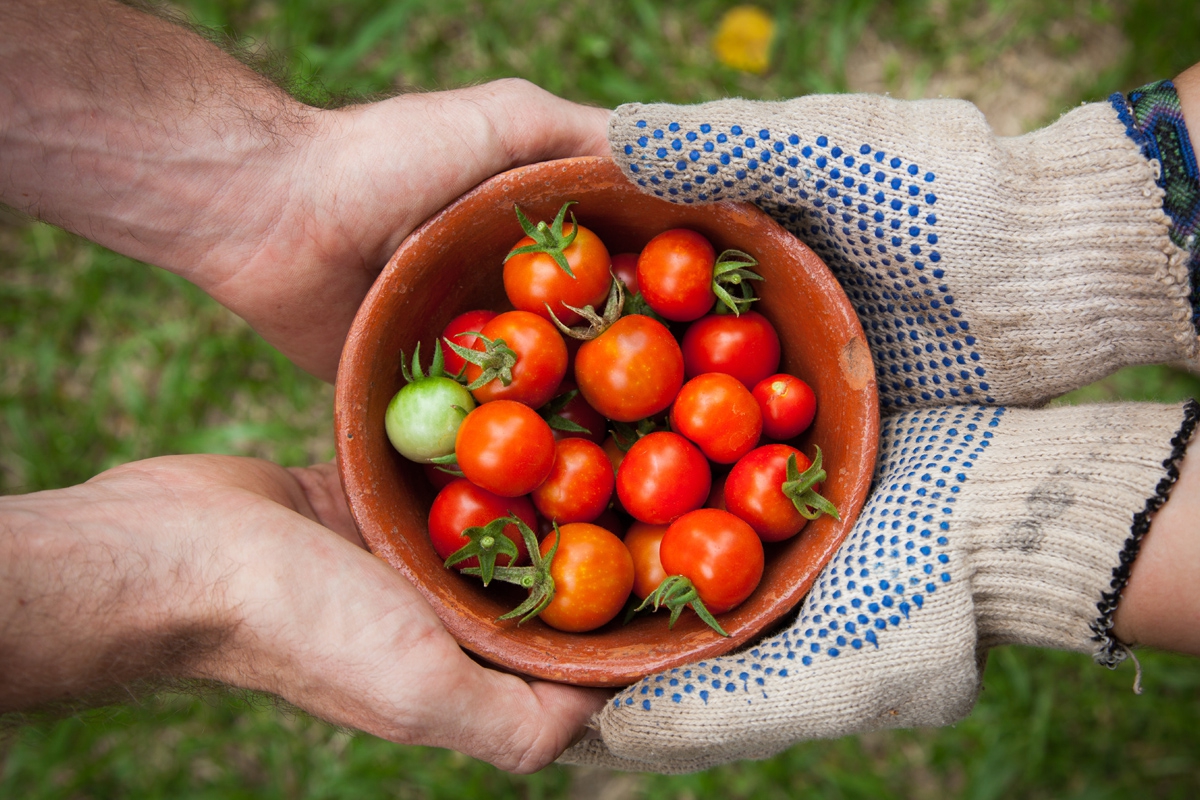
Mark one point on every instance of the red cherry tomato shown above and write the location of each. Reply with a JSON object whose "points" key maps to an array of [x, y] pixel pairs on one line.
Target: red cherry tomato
{"points": [[533, 280], [624, 268], [579, 412], [788, 406], [719, 553], [663, 476], [745, 346], [463, 505], [470, 321], [593, 574], [505, 447], [719, 414], [675, 274], [631, 371], [541, 359], [754, 493], [642, 540], [579, 485]]}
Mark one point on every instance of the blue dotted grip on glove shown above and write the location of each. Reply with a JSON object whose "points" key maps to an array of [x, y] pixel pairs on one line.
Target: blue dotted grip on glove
{"points": [[868, 214]]}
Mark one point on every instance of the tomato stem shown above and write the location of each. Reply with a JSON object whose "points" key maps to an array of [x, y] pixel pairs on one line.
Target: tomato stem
{"points": [[597, 324], [676, 592], [548, 239], [731, 270], [437, 369], [486, 542], [536, 577], [799, 489], [496, 359]]}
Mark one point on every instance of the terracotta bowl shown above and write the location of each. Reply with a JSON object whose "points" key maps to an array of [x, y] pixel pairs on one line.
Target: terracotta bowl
{"points": [[453, 264]]}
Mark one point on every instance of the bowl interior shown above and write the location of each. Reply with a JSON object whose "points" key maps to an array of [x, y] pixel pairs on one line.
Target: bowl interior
{"points": [[453, 264]]}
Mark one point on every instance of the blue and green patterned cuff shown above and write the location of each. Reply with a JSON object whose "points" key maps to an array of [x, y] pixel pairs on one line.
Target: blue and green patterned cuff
{"points": [[1154, 119]]}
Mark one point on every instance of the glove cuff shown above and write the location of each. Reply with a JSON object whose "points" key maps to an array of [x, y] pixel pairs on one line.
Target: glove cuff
{"points": [[984, 269], [1059, 510]]}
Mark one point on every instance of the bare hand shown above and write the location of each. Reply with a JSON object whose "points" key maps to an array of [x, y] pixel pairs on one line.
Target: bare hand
{"points": [[179, 155], [240, 571]]}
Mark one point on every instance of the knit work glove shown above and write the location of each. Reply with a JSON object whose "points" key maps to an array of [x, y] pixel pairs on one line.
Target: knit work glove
{"points": [[988, 526], [984, 270]]}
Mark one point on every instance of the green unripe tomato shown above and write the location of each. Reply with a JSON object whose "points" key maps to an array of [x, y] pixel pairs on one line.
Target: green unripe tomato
{"points": [[422, 420]]}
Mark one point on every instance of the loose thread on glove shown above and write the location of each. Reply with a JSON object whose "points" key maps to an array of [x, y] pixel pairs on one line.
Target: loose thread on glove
{"points": [[1137, 678]]}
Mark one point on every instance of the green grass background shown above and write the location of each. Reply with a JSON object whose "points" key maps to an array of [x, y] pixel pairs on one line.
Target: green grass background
{"points": [[106, 360]]}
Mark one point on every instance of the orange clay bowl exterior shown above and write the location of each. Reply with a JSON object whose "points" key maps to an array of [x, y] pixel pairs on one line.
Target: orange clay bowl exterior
{"points": [[453, 264]]}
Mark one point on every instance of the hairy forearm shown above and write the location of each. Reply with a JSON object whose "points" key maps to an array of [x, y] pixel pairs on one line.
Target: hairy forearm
{"points": [[143, 136], [86, 607], [137, 133]]}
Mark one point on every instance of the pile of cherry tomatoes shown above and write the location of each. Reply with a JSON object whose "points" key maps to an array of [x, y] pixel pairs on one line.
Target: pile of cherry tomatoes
{"points": [[610, 392]]}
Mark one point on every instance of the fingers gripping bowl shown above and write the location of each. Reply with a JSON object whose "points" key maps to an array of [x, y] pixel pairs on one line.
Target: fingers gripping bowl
{"points": [[453, 264]]}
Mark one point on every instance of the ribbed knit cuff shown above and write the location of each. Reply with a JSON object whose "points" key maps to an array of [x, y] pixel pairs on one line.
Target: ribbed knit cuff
{"points": [[1059, 510], [1111, 651]]}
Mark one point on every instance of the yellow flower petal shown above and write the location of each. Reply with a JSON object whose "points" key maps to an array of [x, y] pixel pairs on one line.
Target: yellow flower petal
{"points": [[743, 39]]}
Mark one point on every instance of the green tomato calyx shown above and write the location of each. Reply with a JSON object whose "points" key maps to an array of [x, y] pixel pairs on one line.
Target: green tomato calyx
{"points": [[676, 592], [496, 359], [548, 239], [596, 323], [799, 489], [536, 577], [423, 417], [627, 434], [486, 542], [636, 304], [449, 462], [731, 272], [552, 413], [437, 369]]}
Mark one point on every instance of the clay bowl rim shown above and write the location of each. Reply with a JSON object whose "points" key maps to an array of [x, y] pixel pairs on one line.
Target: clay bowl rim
{"points": [[536, 650]]}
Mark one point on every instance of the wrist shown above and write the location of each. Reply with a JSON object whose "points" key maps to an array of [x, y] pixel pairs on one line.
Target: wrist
{"points": [[99, 595]]}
